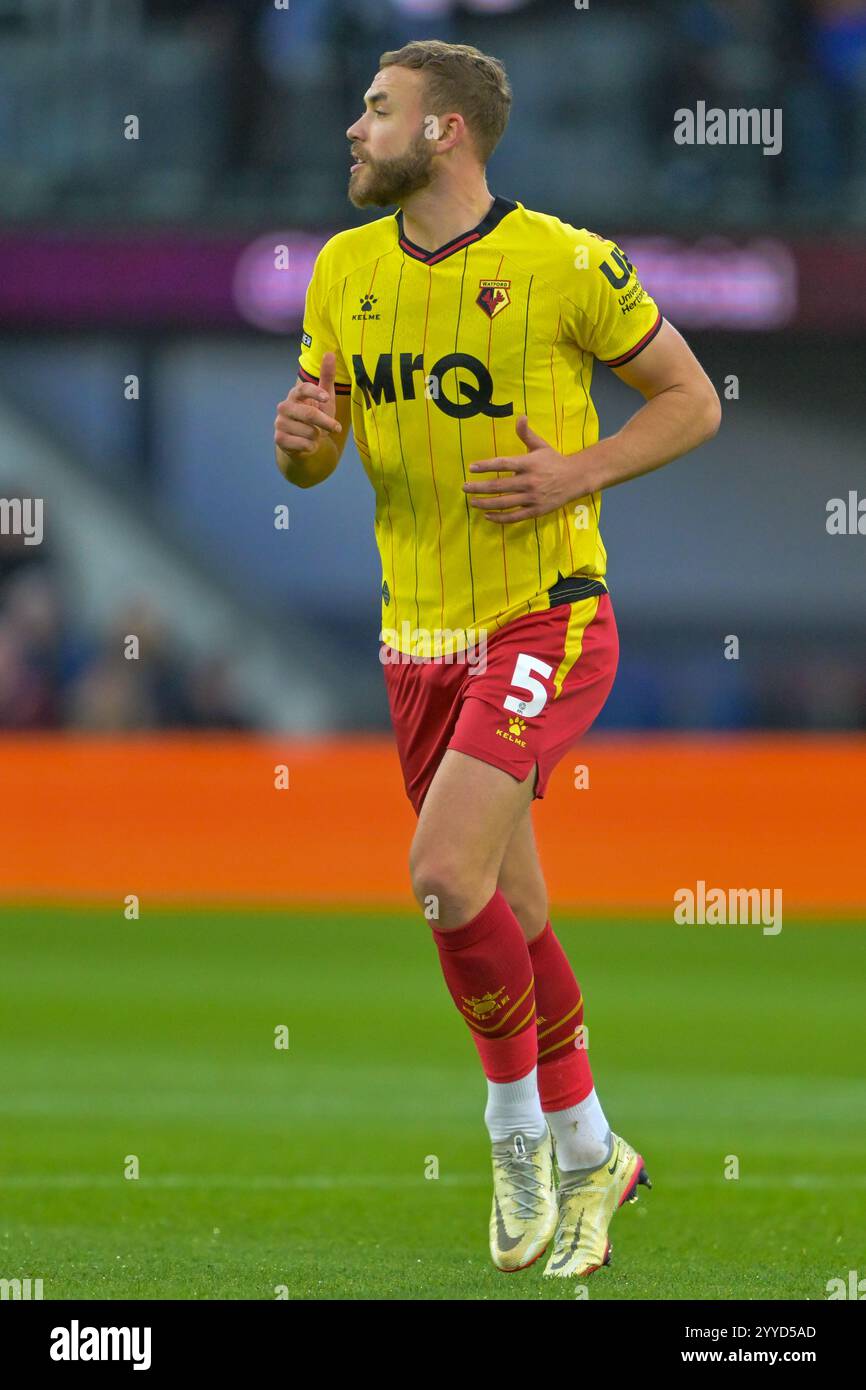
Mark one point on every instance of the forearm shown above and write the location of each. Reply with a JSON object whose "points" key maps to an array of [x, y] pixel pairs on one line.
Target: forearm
{"points": [[306, 470], [666, 427]]}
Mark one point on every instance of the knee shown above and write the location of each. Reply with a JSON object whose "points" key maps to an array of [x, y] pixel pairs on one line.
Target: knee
{"points": [[435, 872], [445, 883]]}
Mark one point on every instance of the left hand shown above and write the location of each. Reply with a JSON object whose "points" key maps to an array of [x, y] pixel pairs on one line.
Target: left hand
{"points": [[543, 481]]}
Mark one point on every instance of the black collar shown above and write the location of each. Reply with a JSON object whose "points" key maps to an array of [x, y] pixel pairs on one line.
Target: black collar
{"points": [[491, 219]]}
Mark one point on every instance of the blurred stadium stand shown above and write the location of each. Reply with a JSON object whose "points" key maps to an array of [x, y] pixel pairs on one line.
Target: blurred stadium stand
{"points": [[109, 568], [162, 509], [244, 106]]}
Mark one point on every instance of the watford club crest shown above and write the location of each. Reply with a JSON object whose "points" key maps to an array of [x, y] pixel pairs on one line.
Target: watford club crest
{"points": [[493, 296]]}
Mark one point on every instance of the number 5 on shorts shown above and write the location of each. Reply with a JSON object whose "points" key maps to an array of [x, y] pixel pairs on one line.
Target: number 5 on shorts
{"points": [[525, 680]]}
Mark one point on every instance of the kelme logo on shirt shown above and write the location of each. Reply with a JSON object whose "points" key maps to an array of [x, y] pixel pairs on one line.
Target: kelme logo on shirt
{"points": [[368, 301], [386, 592], [435, 383]]}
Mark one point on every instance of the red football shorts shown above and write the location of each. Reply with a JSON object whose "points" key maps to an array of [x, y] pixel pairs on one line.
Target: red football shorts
{"points": [[545, 678]]}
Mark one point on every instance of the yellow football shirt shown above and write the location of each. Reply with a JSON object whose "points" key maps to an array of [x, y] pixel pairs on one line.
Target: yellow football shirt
{"points": [[441, 352]]}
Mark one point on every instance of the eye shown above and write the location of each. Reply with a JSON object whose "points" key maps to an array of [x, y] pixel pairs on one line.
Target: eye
{"points": [[381, 113]]}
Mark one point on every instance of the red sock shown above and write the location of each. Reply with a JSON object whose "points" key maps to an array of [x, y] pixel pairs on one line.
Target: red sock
{"points": [[489, 974], [564, 1075]]}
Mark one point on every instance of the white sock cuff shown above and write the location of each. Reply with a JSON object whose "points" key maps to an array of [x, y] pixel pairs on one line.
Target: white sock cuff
{"points": [[515, 1092]]}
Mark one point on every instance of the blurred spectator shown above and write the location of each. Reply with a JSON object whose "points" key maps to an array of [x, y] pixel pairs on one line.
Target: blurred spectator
{"points": [[831, 155], [55, 674], [110, 697], [26, 701], [213, 703], [138, 679]]}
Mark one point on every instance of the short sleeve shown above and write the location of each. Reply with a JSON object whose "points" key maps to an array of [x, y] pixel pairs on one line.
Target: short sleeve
{"points": [[613, 316], [318, 335]]}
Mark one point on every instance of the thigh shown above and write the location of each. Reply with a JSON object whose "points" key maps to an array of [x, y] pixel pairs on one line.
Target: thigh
{"points": [[424, 703], [470, 814]]}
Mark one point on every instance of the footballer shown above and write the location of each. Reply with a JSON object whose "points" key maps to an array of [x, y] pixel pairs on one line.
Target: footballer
{"points": [[457, 338]]}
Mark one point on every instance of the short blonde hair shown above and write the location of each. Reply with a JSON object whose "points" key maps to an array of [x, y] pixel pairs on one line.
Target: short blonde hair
{"points": [[460, 78]]}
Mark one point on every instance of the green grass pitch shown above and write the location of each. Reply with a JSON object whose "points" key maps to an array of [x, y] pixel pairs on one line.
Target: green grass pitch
{"points": [[305, 1167]]}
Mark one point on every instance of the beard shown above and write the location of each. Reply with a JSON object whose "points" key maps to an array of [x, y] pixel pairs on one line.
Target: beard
{"points": [[381, 182]]}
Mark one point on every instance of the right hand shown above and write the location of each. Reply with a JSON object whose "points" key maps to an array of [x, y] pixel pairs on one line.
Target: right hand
{"points": [[308, 412]]}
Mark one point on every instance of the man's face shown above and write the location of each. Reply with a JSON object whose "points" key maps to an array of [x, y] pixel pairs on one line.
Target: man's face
{"points": [[391, 155]]}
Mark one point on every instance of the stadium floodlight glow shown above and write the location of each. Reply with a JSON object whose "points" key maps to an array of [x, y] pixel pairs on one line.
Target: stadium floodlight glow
{"points": [[270, 279], [716, 283]]}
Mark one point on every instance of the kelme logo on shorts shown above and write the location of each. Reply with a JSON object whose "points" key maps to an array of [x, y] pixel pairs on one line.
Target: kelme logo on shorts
{"points": [[477, 395], [516, 726]]}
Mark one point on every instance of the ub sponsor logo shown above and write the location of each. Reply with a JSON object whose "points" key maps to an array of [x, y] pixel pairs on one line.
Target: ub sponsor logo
{"points": [[619, 274], [632, 299]]}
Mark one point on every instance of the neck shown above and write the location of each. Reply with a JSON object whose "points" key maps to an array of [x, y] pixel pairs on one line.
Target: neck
{"points": [[432, 217]]}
